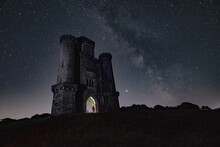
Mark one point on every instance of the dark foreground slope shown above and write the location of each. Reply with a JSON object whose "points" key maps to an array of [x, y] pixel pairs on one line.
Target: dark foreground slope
{"points": [[130, 128]]}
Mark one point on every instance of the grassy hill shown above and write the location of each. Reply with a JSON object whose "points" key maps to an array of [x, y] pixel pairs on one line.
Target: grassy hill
{"points": [[123, 128]]}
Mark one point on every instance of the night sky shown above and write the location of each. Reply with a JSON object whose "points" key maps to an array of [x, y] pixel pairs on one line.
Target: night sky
{"points": [[164, 51]]}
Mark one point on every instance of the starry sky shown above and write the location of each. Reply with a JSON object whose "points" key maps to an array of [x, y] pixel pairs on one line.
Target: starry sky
{"points": [[164, 51]]}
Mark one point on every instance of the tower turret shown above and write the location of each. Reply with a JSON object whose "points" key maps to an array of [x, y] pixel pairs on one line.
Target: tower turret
{"points": [[66, 69], [107, 72], [64, 98]]}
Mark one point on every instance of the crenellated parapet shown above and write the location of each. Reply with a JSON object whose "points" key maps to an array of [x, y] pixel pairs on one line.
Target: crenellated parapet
{"points": [[86, 45], [105, 55], [84, 39], [63, 86], [66, 37]]}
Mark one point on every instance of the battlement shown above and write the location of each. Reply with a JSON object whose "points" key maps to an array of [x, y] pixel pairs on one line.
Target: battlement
{"points": [[103, 55], [87, 45], [66, 36], [83, 39]]}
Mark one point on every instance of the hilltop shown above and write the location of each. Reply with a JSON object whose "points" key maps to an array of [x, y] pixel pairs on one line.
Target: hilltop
{"points": [[127, 127]]}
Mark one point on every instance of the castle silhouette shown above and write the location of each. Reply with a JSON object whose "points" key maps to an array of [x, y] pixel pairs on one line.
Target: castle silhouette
{"points": [[83, 82]]}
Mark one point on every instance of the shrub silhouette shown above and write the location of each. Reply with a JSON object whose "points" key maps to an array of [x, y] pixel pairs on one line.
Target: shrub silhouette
{"points": [[159, 107], [8, 120], [135, 107], [205, 108], [37, 116], [189, 106]]}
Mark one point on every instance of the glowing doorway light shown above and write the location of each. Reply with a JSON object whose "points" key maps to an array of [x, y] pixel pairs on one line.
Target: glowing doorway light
{"points": [[91, 106]]}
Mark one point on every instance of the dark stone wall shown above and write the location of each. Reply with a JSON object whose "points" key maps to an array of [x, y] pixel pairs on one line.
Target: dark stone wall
{"points": [[81, 75], [64, 99]]}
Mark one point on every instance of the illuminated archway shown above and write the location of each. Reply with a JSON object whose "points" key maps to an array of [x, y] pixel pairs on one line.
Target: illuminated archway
{"points": [[91, 106]]}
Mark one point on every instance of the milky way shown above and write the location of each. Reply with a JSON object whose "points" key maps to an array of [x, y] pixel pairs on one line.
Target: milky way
{"points": [[164, 52]]}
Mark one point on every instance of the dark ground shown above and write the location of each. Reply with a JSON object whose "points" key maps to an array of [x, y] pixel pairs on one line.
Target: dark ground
{"points": [[163, 128]]}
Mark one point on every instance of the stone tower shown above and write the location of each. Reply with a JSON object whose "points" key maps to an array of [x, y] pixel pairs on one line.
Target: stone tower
{"points": [[83, 79]]}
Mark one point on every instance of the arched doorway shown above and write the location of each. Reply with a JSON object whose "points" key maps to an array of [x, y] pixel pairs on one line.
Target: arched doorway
{"points": [[91, 106]]}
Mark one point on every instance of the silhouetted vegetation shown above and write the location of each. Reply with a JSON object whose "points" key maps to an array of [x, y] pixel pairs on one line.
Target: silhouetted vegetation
{"points": [[159, 107], [137, 125], [205, 108], [7, 120], [37, 116], [135, 108], [183, 106], [188, 106]]}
